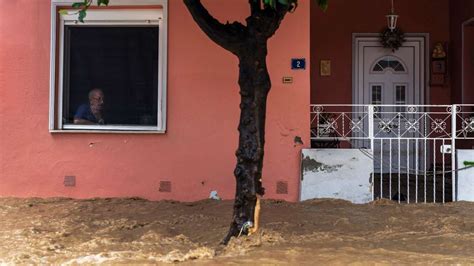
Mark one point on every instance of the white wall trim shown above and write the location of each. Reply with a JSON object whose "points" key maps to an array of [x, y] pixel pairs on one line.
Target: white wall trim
{"points": [[162, 76]]}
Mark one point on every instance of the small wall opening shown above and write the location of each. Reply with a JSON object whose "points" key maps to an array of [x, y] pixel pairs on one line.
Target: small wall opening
{"points": [[281, 187], [165, 186]]}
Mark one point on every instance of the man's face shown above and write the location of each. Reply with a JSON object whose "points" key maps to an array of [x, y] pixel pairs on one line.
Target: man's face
{"points": [[97, 101]]}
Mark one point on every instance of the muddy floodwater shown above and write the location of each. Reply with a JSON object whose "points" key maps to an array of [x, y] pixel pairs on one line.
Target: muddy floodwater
{"points": [[112, 231]]}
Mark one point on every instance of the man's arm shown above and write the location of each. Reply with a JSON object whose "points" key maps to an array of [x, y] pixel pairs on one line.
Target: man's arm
{"points": [[81, 121], [80, 117]]}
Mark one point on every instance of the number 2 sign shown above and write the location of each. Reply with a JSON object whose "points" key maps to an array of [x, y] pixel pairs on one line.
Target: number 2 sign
{"points": [[298, 63]]}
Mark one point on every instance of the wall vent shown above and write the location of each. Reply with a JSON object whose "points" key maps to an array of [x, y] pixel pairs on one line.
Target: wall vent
{"points": [[70, 181], [165, 186], [282, 187]]}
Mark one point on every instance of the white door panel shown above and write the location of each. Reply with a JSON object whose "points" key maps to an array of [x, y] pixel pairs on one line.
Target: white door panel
{"points": [[384, 77]]}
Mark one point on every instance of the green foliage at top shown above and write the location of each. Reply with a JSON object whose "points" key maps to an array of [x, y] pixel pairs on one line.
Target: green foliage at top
{"points": [[322, 3], [85, 4]]}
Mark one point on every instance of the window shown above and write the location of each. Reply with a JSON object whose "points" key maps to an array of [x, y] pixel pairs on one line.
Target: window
{"points": [[388, 63], [111, 71], [400, 97], [376, 94], [377, 99]]}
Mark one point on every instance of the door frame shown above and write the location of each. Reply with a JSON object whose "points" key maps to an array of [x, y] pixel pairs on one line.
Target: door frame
{"points": [[424, 38]]}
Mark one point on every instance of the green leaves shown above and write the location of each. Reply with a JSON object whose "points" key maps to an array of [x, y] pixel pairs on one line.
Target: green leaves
{"points": [[79, 4], [323, 4], [103, 2], [82, 15], [63, 12], [273, 3], [83, 6]]}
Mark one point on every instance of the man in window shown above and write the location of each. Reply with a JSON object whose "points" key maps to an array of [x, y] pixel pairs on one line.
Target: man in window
{"points": [[92, 113]]}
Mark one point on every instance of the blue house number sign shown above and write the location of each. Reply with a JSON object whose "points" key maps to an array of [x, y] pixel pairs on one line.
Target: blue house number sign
{"points": [[298, 63]]}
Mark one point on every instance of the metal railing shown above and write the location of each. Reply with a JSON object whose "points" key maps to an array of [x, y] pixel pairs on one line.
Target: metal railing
{"points": [[412, 146]]}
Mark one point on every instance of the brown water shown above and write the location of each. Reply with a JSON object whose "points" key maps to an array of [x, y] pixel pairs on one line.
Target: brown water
{"points": [[112, 231]]}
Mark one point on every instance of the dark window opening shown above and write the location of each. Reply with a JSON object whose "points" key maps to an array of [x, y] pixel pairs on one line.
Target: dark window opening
{"points": [[120, 66]]}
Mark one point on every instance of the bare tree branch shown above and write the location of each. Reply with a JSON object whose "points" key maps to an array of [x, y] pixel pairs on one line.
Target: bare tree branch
{"points": [[255, 6], [228, 36], [268, 20], [277, 17]]}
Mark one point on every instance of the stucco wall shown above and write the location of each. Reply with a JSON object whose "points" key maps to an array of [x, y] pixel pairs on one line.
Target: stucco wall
{"points": [[465, 185], [331, 38], [468, 61], [337, 174], [197, 152], [460, 11]]}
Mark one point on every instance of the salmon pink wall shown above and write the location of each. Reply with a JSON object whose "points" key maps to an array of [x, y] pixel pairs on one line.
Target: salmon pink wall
{"points": [[460, 11], [331, 38], [197, 152]]}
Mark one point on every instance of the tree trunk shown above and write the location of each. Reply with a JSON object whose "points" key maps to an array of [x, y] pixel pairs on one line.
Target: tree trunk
{"points": [[254, 84], [249, 44]]}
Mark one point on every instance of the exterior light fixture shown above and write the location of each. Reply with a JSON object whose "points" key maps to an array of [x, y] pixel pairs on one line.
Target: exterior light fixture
{"points": [[392, 19]]}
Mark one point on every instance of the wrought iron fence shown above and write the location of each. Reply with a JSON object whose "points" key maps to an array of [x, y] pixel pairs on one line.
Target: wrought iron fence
{"points": [[412, 146], [351, 122]]}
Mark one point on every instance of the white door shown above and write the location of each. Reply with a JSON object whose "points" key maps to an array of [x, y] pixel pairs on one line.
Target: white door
{"points": [[390, 78]]}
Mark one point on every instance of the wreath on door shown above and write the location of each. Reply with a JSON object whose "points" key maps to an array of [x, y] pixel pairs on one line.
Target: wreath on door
{"points": [[392, 39]]}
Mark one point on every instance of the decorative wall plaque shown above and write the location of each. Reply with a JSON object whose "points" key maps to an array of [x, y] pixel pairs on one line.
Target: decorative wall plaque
{"points": [[325, 68], [438, 67]]}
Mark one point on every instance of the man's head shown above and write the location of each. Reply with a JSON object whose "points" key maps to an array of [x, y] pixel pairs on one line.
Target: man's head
{"points": [[96, 100]]}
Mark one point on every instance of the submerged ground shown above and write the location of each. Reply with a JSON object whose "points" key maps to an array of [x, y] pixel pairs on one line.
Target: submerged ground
{"points": [[324, 231]]}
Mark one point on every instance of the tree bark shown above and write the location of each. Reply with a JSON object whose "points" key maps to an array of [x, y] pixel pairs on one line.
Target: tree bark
{"points": [[255, 85], [249, 44]]}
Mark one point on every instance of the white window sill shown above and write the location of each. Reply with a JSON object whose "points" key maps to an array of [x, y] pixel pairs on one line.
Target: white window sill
{"points": [[105, 131]]}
